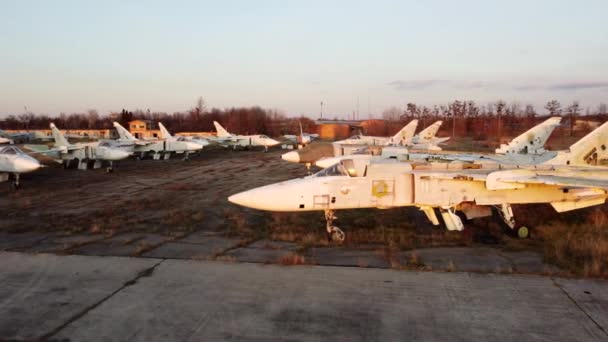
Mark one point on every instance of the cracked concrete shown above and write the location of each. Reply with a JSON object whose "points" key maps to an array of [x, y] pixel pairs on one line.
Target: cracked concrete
{"points": [[124, 299]]}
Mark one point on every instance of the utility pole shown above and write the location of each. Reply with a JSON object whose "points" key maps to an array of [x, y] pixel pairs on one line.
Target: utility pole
{"points": [[321, 109]]}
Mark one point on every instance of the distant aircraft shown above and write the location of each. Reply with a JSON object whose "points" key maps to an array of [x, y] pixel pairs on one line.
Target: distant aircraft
{"points": [[14, 161], [234, 140], [353, 145], [164, 134], [425, 140], [84, 154], [303, 139], [18, 138], [456, 190], [527, 148], [158, 148]]}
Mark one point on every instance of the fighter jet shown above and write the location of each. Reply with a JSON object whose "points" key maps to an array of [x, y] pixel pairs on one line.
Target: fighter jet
{"points": [[317, 151], [303, 139], [527, 148], [457, 191], [234, 140], [158, 148], [425, 140], [87, 154], [14, 162], [19, 138], [164, 134]]}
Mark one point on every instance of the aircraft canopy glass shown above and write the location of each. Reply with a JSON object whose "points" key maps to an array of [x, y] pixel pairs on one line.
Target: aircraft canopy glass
{"points": [[335, 170], [9, 150]]}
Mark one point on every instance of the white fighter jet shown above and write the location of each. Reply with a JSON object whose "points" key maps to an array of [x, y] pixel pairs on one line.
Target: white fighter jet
{"points": [[355, 145], [527, 148], [158, 148], [303, 139], [234, 140], [18, 138], [14, 162], [457, 191], [85, 154], [164, 134], [425, 140]]}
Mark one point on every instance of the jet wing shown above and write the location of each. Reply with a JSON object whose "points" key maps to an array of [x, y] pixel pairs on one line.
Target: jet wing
{"points": [[45, 149], [515, 179]]}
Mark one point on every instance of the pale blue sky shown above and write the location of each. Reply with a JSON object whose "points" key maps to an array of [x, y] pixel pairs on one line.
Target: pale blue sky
{"points": [[69, 56]]}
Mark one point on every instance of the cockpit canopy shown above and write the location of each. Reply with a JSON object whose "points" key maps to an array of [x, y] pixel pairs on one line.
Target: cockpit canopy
{"points": [[11, 150], [355, 137], [345, 167]]}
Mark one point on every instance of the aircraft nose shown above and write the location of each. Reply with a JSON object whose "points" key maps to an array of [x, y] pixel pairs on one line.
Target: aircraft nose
{"points": [[273, 142], [118, 154], [292, 157], [242, 198], [263, 198], [26, 164], [193, 146]]}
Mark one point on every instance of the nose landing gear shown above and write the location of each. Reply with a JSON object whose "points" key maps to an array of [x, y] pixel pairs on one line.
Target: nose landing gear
{"points": [[15, 185], [333, 233]]}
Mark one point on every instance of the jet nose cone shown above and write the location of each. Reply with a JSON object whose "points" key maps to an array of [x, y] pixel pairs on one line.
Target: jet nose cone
{"points": [[242, 198], [117, 154], [263, 198], [26, 164], [251, 199], [292, 157], [274, 142], [193, 146]]}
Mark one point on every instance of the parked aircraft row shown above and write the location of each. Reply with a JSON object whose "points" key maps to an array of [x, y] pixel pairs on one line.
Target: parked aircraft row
{"points": [[450, 188], [14, 161], [359, 144]]}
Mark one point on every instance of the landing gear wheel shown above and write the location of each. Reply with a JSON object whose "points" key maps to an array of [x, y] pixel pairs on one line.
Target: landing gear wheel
{"points": [[523, 232], [333, 233], [109, 169], [337, 234]]}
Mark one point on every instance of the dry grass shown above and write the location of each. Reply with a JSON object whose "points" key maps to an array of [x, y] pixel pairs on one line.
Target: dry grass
{"points": [[451, 267], [226, 258], [142, 247], [582, 249], [292, 259]]}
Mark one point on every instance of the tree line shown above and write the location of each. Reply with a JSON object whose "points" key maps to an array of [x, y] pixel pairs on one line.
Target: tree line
{"points": [[461, 118]]}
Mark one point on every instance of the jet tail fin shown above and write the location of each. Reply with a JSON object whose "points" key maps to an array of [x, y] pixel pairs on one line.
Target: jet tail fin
{"points": [[405, 135], [221, 132], [164, 133], [429, 133], [60, 140], [592, 149], [123, 133], [531, 141]]}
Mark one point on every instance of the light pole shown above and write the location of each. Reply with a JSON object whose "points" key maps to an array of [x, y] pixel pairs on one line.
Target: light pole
{"points": [[321, 109]]}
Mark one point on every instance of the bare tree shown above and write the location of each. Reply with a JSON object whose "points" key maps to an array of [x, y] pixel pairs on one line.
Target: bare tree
{"points": [[391, 114], [573, 111], [553, 107]]}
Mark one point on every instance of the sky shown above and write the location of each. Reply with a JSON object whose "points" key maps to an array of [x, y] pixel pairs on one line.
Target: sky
{"points": [[71, 56]]}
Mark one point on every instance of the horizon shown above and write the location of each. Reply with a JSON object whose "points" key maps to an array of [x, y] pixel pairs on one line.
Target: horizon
{"points": [[290, 56]]}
